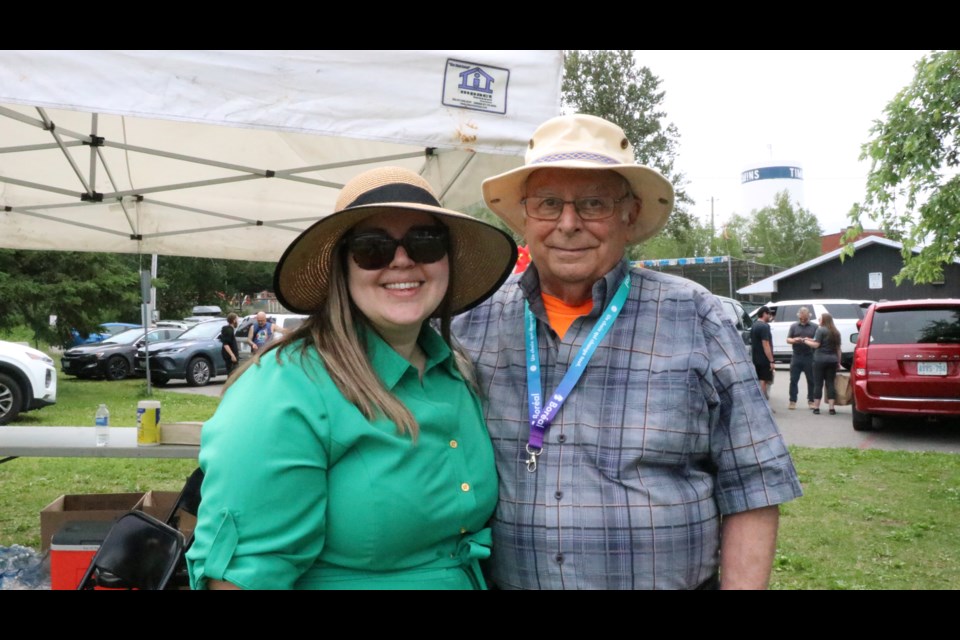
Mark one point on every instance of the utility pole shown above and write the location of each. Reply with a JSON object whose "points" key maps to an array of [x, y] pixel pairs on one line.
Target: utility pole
{"points": [[712, 230]]}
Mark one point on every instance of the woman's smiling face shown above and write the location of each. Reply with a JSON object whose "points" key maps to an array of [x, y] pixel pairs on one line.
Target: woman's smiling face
{"points": [[399, 297]]}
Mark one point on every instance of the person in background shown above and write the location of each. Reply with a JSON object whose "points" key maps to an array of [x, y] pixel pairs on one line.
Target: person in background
{"points": [[228, 340], [761, 349], [826, 359], [370, 467], [261, 332], [802, 359], [634, 448]]}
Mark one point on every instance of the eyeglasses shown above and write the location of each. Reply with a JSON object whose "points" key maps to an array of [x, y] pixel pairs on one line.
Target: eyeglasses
{"points": [[588, 207], [373, 250]]}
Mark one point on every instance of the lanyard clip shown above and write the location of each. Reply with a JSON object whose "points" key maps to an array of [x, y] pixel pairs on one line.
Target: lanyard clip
{"points": [[532, 455]]}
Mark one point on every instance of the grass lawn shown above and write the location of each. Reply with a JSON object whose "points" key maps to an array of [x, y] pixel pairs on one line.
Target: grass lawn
{"points": [[29, 484], [868, 519], [871, 520]]}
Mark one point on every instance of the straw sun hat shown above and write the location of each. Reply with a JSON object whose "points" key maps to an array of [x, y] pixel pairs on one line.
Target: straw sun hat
{"points": [[481, 255], [583, 142]]}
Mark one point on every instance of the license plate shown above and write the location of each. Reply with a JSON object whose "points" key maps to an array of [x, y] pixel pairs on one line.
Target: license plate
{"points": [[932, 368]]}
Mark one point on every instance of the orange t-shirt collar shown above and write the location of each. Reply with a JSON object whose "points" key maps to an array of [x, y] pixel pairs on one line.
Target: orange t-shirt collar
{"points": [[562, 315]]}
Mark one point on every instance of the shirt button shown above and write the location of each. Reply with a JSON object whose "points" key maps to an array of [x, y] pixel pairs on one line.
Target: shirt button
{"points": [[465, 486], [561, 438], [453, 444], [558, 495], [463, 530], [559, 558]]}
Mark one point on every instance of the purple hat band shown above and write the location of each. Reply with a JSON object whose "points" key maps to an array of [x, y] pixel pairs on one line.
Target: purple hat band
{"points": [[577, 155]]}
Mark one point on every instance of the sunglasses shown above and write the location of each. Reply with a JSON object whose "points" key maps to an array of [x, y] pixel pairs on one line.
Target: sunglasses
{"points": [[374, 250]]}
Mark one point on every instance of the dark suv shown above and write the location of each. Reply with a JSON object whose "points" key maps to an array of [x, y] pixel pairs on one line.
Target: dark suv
{"points": [[907, 361], [113, 358], [195, 356]]}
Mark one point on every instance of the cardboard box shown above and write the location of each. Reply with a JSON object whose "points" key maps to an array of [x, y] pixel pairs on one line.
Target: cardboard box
{"points": [[95, 506], [159, 503], [180, 432]]}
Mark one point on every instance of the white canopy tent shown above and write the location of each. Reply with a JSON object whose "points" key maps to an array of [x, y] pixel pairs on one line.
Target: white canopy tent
{"points": [[230, 154]]}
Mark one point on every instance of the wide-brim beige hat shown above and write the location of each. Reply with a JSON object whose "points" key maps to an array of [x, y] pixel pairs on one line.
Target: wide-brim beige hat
{"points": [[583, 142], [481, 256]]}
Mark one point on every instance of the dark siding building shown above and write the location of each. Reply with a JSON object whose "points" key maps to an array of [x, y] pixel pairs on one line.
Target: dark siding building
{"points": [[867, 275]]}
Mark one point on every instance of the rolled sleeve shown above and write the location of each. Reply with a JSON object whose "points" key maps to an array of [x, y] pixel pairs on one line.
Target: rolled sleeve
{"points": [[267, 439]]}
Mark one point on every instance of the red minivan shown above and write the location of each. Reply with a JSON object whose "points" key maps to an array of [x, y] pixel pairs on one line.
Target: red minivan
{"points": [[907, 361]]}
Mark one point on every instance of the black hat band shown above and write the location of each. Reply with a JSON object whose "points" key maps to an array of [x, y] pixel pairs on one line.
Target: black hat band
{"points": [[395, 192]]}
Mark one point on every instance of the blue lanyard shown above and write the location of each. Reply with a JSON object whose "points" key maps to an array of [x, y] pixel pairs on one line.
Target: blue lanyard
{"points": [[541, 417]]}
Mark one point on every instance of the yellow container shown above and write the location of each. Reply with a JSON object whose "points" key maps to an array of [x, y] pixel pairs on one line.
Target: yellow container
{"points": [[148, 423]]}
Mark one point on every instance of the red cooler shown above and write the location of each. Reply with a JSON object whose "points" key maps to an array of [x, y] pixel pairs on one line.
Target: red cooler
{"points": [[71, 550]]}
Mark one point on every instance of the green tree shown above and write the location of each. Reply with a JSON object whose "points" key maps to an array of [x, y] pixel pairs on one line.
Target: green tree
{"points": [[183, 282], [695, 241], [610, 85], [81, 289], [913, 188], [732, 236], [786, 235]]}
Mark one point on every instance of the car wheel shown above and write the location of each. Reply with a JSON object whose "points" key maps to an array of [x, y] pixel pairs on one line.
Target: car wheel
{"points": [[198, 372], [117, 368], [861, 421], [11, 399]]}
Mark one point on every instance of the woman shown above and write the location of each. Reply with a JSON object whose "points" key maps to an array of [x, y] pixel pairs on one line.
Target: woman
{"points": [[826, 358], [353, 454]]}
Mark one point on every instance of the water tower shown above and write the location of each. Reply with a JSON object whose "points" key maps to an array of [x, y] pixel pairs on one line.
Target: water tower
{"points": [[762, 181]]}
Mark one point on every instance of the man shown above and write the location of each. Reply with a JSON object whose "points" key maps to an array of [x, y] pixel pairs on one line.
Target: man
{"points": [[802, 359], [228, 338], [660, 464], [262, 332], [761, 347]]}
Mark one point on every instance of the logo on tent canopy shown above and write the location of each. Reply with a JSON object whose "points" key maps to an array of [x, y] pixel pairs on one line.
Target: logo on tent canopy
{"points": [[469, 85]]}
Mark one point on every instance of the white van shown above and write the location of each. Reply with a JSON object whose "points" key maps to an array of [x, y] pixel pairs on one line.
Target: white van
{"points": [[845, 313]]}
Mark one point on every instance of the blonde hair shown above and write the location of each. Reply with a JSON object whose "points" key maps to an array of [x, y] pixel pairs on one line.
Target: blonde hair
{"points": [[332, 332]]}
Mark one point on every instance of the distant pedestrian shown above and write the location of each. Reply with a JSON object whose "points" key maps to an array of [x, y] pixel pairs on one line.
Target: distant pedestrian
{"points": [[826, 359], [761, 343], [228, 338], [261, 332], [802, 359]]}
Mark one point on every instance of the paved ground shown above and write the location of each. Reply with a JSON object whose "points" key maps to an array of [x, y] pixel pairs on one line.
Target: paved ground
{"points": [[799, 427]]}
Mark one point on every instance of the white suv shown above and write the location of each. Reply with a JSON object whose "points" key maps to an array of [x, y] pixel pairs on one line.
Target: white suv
{"points": [[28, 380], [739, 317], [845, 313]]}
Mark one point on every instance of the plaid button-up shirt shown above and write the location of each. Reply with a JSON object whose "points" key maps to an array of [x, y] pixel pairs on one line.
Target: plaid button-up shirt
{"points": [[665, 431]]}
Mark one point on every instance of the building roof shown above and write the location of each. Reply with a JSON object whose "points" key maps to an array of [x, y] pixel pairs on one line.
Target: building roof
{"points": [[769, 285]]}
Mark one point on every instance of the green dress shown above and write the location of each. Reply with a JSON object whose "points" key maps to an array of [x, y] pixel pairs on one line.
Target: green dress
{"points": [[301, 491]]}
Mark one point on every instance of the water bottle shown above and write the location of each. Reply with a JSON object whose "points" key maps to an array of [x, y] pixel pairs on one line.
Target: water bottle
{"points": [[102, 427]]}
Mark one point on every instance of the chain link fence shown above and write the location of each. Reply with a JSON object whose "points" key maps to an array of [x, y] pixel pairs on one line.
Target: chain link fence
{"points": [[722, 275]]}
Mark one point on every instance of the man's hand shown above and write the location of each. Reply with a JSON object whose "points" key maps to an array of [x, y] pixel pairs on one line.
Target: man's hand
{"points": [[748, 544]]}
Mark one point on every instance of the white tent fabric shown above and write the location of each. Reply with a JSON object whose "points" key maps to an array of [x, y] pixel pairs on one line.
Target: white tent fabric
{"points": [[230, 154]]}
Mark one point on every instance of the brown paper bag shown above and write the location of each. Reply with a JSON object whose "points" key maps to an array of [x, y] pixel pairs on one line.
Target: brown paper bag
{"points": [[844, 389]]}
